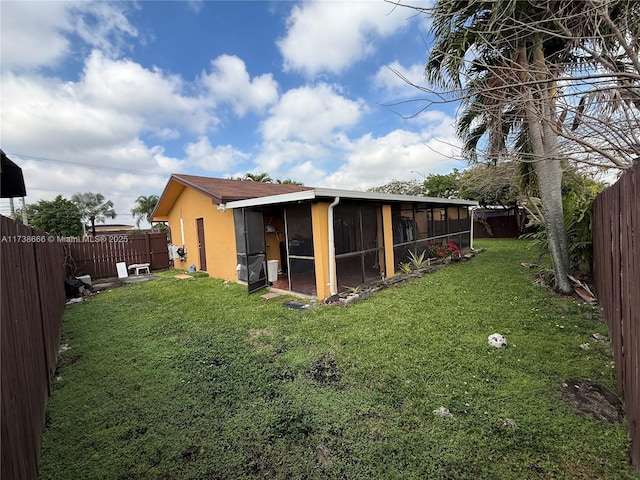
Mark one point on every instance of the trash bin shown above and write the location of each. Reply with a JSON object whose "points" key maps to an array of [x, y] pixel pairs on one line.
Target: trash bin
{"points": [[272, 270]]}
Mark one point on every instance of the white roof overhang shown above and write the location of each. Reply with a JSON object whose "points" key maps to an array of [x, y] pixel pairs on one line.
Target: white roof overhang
{"points": [[331, 193]]}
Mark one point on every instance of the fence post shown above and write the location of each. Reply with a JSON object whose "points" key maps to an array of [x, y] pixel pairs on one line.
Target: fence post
{"points": [[147, 246]]}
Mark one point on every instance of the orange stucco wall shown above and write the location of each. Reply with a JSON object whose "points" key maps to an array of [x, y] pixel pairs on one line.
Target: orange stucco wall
{"points": [[387, 228], [220, 245], [320, 222]]}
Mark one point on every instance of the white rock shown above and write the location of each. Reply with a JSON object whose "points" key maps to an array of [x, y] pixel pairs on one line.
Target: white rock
{"points": [[443, 412], [509, 423], [496, 340]]}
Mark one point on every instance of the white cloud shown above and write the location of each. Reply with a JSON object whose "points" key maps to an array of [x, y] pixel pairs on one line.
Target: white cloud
{"points": [[230, 82], [370, 160], [281, 159], [113, 103], [38, 34], [195, 6], [50, 111], [439, 125], [103, 25], [373, 161], [88, 134], [149, 95], [311, 114], [66, 174], [221, 158], [34, 36], [307, 172], [332, 36]]}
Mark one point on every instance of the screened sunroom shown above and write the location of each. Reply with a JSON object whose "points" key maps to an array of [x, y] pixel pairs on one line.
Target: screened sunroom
{"points": [[326, 240]]}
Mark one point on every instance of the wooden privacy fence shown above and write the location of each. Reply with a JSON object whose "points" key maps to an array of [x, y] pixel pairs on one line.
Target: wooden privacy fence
{"points": [[98, 256], [33, 301], [501, 227], [616, 268]]}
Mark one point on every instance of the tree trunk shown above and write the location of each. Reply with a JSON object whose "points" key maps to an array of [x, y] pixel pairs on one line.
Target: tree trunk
{"points": [[548, 170], [550, 179]]}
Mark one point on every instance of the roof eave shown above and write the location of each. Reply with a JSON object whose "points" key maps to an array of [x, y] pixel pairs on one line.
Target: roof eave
{"points": [[273, 199], [318, 193]]}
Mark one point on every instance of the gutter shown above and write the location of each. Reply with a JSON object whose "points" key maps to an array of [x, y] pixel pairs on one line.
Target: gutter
{"points": [[332, 248]]}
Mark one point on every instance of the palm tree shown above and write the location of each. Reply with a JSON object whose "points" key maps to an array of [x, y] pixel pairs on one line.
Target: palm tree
{"points": [[505, 60], [288, 181], [258, 177], [145, 205], [93, 208], [511, 83]]}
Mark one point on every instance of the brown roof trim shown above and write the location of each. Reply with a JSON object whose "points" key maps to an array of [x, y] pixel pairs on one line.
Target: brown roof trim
{"points": [[223, 190]]}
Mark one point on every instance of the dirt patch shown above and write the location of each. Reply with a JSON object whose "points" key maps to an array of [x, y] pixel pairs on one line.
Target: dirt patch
{"points": [[259, 338], [325, 369], [323, 455], [590, 399], [293, 305], [108, 283]]}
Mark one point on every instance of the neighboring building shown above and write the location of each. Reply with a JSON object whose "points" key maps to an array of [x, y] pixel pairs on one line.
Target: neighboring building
{"points": [[11, 178], [112, 228], [322, 239]]}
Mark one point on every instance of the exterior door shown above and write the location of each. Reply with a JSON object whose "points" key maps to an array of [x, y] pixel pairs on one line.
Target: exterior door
{"points": [[251, 248], [201, 248]]}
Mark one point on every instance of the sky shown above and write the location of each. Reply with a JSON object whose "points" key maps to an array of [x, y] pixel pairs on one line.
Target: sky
{"points": [[113, 97]]}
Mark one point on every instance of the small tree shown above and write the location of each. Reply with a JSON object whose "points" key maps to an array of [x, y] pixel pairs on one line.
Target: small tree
{"points": [[60, 216], [443, 186], [94, 208], [288, 181], [399, 187], [490, 184]]}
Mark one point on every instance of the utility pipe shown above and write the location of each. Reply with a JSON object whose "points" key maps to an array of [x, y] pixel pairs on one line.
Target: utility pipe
{"points": [[332, 249], [182, 228], [473, 209]]}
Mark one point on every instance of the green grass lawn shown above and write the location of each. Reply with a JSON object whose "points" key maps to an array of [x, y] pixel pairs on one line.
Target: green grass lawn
{"points": [[193, 379]]}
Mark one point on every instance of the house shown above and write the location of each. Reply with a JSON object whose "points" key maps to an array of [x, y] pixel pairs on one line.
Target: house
{"points": [[306, 240]]}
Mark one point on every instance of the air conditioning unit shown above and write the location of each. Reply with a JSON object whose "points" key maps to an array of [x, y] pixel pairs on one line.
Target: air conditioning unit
{"points": [[176, 252]]}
